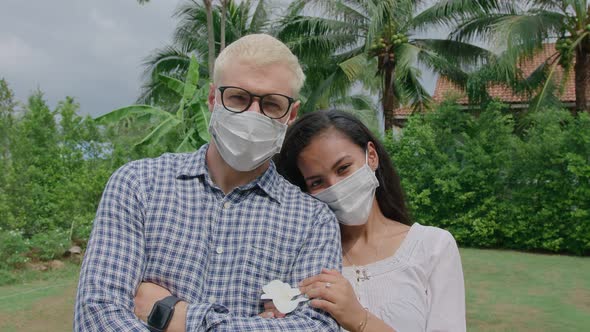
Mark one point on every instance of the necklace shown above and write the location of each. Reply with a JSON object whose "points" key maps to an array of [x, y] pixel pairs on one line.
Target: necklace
{"points": [[361, 271]]}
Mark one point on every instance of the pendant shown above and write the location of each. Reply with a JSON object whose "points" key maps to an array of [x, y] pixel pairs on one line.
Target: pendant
{"points": [[361, 275]]}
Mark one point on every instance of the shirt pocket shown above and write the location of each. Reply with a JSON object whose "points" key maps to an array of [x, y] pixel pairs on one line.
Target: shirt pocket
{"points": [[262, 263]]}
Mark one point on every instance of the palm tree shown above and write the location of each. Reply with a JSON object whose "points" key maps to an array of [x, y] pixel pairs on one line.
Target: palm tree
{"points": [[224, 4], [191, 37], [210, 33], [522, 28], [349, 38]]}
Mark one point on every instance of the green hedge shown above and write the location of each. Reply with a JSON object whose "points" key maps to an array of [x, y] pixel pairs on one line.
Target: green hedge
{"points": [[499, 183]]}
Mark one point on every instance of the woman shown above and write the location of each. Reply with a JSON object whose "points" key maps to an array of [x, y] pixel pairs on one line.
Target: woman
{"points": [[397, 276]]}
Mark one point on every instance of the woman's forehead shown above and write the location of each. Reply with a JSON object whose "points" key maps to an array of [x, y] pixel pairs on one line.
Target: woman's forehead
{"points": [[328, 146]]}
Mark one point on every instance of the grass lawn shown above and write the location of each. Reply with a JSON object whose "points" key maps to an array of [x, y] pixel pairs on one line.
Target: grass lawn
{"points": [[506, 291], [42, 301], [512, 291]]}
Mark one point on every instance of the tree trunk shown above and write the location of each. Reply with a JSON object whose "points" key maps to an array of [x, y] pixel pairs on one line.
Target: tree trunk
{"points": [[224, 4], [389, 101], [582, 75], [210, 35]]}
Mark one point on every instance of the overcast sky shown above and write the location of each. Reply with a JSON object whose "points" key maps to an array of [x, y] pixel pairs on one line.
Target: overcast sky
{"points": [[89, 49]]}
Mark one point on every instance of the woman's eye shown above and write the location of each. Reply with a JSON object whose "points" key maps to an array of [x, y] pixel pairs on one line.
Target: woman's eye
{"points": [[314, 184], [343, 168]]}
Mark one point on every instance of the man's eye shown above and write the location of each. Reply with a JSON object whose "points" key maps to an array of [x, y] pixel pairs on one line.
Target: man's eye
{"points": [[238, 98], [272, 106]]}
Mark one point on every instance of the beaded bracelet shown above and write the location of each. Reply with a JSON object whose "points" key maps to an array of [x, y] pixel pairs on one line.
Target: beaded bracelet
{"points": [[363, 324]]}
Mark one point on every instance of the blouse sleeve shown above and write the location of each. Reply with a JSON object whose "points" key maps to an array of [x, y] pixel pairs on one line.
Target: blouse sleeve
{"points": [[447, 288]]}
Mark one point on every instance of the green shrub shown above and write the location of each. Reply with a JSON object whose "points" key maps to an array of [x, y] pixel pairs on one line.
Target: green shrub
{"points": [[496, 183], [13, 249], [81, 228], [7, 277], [49, 245]]}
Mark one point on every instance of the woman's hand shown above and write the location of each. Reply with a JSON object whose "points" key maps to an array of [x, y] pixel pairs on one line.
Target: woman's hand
{"points": [[331, 292], [146, 296]]}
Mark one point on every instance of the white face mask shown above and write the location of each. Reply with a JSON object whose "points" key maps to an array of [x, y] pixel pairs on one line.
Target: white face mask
{"points": [[352, 198], [245, 140]]}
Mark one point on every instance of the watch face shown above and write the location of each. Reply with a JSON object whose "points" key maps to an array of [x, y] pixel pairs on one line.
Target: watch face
{"points": [[159, 316]]}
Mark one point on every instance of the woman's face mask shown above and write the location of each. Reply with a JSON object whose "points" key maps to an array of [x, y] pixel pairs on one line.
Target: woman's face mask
{"points": [[351, 199]]}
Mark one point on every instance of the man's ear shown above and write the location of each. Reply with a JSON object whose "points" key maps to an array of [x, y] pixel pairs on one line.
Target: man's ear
{"points": [[211, 97], [294, 112], [372, 156]]}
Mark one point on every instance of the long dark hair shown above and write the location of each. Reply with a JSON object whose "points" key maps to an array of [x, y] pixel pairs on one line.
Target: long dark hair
{"points": [[390, 196]]}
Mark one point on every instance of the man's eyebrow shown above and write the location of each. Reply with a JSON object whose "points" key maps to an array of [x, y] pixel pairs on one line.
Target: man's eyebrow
{"points": [[333, 166]]}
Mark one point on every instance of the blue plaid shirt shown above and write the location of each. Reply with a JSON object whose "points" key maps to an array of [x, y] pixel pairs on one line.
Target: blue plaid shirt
{"points": [[164, 221]]}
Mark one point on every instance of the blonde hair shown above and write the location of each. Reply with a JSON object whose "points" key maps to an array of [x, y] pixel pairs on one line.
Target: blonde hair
{"points": [[260, 50]]}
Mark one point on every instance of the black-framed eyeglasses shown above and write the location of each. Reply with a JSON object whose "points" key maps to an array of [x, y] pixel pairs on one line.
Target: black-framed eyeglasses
{"points": [[238, 100]]}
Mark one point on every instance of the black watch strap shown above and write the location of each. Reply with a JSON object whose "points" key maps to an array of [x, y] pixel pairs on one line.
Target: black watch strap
{"points": [[161, 314], [153, 329], [170, 301]]}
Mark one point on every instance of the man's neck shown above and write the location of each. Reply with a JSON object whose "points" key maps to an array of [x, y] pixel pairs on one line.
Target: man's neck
{"points": [[224, 176]]}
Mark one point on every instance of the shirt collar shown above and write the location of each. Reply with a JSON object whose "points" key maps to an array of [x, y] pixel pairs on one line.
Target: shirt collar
{"points": [[270, 182], [195, 165]]}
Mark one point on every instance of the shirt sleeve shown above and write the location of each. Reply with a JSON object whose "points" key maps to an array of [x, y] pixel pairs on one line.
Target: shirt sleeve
{"points": [[447, 289], [321, 250], [114, 259]]}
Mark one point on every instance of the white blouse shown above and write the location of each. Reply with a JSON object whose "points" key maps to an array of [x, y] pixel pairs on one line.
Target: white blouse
{"points": [[419, 288]]}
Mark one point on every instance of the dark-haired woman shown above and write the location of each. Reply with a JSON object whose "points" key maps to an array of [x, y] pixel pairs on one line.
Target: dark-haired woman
{"points": [[397, 276]]}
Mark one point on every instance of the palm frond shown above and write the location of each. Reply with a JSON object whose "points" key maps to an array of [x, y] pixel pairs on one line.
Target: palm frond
{"points": [[451, 12], [443, 66], [354, 67], [361, 106], [410, 87], [313, 36], [462, 54], [407, 83], [547, 96], [260, 17], [553, 5]]}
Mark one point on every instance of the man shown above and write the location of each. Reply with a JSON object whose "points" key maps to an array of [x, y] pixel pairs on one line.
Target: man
{"points": [[203, 232]]}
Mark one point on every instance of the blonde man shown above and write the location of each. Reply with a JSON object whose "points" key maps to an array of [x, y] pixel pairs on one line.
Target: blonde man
{"points": [[185, 242]]}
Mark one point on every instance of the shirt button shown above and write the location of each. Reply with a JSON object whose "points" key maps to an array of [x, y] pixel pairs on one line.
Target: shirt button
{"points": [[211, 299], [219, 250], [226, 205]]}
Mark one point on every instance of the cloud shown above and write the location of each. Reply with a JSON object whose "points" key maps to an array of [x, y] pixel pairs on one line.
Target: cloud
{"points": [[91, 50], [14, 49]]}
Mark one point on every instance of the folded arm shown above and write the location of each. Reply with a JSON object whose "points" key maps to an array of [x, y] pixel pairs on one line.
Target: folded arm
{"points": [[322, 249]]}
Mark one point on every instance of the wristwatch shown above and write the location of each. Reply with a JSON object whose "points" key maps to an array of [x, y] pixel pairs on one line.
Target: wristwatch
{"points": [[161, 314]]}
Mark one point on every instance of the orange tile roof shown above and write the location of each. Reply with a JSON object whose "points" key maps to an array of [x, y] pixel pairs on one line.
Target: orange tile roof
{"points": [[403, 111], [445, 88]]}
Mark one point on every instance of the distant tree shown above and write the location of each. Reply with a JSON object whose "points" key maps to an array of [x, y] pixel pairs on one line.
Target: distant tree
{"points": [[182, 131], [224, 4], [35, 163], [344, 40], [7, 110], [521, 27], [210, 34], [191, 37]]}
